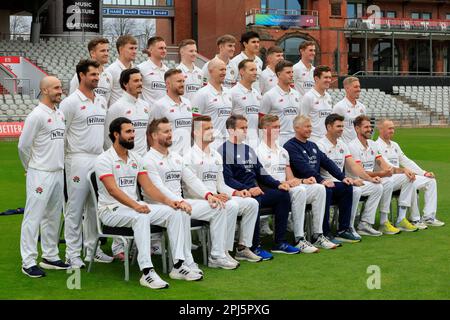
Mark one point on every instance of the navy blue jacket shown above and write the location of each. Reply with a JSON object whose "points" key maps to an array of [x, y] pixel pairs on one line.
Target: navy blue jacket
{"points": [[306, 159], [242, 169]]}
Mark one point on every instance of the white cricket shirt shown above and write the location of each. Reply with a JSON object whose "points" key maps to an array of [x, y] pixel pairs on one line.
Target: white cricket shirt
{"points": [[268, 80], [303, 78], [193, 80], [247, 103], [109, 82], [338, 153], [235, 63], [230, 79], [394, 155], [153, 84], [349, 111], [363, 155], [317, 107], [275, 160]]}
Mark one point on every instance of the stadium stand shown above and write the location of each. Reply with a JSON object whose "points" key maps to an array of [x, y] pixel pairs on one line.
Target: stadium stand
{"points": [[433, 99]]}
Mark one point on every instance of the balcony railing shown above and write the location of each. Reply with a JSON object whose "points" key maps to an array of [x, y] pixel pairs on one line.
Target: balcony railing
{"points": [[282, 18], [369, 23]]}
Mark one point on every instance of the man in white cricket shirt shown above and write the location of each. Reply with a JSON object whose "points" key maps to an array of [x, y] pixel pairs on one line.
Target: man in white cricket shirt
{"points": [[98, 49], [175, 107], [193, 75], [85, 113], [425, 180], [304, 70], [366, 152], [227, 47], [275, 159], [317, 104], [153, 70], [41, 151], [269, 78], [120, 171], [363, 184], [127, 49], [350, 107], [283, 101], [167, 171], [250, 45], [207, 165]]}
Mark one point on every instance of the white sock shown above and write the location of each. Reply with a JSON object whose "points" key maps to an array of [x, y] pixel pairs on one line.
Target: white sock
{"points": [[383, 217], [401, 213]]}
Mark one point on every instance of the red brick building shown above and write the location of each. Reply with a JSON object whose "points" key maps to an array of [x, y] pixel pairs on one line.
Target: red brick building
{"points": [[391, 36]]}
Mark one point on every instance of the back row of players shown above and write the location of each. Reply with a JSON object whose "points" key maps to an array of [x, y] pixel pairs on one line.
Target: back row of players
{"points": [[150, 110]]}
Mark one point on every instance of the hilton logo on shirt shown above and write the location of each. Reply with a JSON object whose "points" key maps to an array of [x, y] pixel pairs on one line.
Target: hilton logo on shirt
{"points": [[252, 109], [158, 85], [209, 176], [95, 120], [57, 134], [278, 169], [100, 91], [224, 112], [290, 111], [192, 88], [324, 114], [127, 182], [173, 176], [140, 124], [185, 122], [308, 84]]}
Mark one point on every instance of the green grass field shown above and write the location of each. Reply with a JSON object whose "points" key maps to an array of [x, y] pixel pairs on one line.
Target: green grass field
{"points": [[413, 266]]}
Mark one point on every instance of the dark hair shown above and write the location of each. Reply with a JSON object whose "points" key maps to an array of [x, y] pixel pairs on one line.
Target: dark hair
{"points": [[116, 126], [151, 41], [321, 69], [83, 66], [242, 64], [198, 119], [125, 76], [233, 119], [360, 119], [274, 49], [332, 118], [245, 37], [306, 44], [281, 65], [123, 40], [171, 72], [153, 127], [94, 42]]}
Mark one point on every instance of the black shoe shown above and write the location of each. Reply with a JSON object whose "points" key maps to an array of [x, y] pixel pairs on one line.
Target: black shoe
{"points": [[54, 265], [33, 272]]}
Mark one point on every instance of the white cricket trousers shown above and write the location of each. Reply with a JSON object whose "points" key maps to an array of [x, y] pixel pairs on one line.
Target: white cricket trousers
{"points": [[248, 209], [302, 195], [164, 216], [76, 229], [394, 183], [373, 192], [43, 207], [430, 198]]}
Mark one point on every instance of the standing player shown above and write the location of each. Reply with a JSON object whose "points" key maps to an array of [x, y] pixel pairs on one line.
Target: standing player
{"points": [[127, 49], [153, 70], [425, 180], [316, 103], [227, 46], [41, 151], [207, 165], [269, 78], [214, 100], [177, 109], [98, 49], [250, 44], [304, 70], [350, 107], [84, 112], [193, 74], [282, 100], [366, 152]]}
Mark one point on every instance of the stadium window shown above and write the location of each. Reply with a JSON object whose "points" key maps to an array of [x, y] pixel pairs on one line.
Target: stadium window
{"points": [[391, 14], [281, 5], [382, 56], [419, 56], [351, 10], [290, 47], [426, 15], [415, 15]]}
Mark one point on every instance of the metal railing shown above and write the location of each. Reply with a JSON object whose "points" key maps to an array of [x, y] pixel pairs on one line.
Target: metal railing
{"points": [[407, 24]]}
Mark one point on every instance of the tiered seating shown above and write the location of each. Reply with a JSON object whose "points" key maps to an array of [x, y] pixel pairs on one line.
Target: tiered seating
{"points": [[434, 99]]}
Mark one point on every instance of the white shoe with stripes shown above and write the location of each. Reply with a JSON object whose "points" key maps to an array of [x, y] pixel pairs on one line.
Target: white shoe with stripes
{"points": [[153, 281], [184, 273]]}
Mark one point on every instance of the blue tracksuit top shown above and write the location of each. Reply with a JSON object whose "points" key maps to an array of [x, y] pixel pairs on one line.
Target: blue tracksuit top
{"points": [[242, 169], [306, 160]]}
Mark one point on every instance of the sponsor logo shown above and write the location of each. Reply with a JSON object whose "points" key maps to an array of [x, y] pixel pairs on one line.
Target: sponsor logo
{"points": [[224, 112], [158, 85], [76, 179], [252, 109], [209, 176], [118, 166], [127, 182], [95, 120], [49, 120], [192, 87], [134, 165], [101, 91], [308, 84], [368, 165], [184, 122], [290, 111], [278, 168], [39, 190], [140, 124], [173, 176], [57, 134], [83, 108], [324, 113]]}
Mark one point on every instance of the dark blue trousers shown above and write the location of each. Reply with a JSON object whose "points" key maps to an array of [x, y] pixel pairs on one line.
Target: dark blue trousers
{"points": [[280, 203], [342, 196]]}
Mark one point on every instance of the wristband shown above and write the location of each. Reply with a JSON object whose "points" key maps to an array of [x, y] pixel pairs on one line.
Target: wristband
{"points": [[207, 194]]}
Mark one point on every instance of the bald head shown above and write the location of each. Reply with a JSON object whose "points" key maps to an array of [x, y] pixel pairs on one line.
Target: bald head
{"points": [[217, 70], [51, 90]]}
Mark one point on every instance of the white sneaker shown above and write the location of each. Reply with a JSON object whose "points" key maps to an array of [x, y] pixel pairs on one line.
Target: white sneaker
{"points": [[419, 224], [194, 268], [184, 273], [323, 242], [264, 228], [153, 281], [306, 247], [356, 234], [366, 229], [433, 222], [247, 255], [231, 259], [221, 263], [100, 256], [76, 263]]}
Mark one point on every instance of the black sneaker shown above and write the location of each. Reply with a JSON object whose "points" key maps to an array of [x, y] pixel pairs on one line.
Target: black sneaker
{"points": [[33, 272], [54, 265]]}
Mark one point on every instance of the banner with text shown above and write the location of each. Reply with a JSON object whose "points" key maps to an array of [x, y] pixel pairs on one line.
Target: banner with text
{"points": [[81, 15], [10, 129]]}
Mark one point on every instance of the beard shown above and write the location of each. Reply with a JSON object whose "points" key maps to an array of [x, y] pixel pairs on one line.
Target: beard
{"points": [[166, 143], [126, 144]]}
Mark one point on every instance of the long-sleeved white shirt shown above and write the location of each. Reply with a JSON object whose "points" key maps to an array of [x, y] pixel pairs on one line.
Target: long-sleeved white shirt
{"points": [[193, 80], [349, 111], [138, 111], [303, 78], [85, 123], [153, 84], [110, 82], [167, 171], [317, 107], [247, 103], [41, 143]]}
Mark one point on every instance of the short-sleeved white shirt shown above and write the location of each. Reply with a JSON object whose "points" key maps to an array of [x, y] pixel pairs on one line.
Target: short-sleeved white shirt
{"points": [[363, 155], [125, 174], [235, 63], [230, 77], [338, 153], [247, 103], [193, 80], [303, 78], [268, 80], [286, 105], [317, 107], [153, 84], [275, 161], [85, 123], [349, 111], [109, 84]]}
